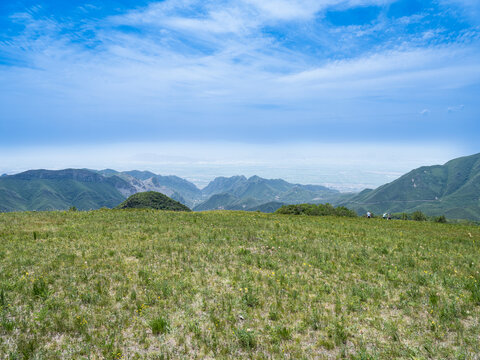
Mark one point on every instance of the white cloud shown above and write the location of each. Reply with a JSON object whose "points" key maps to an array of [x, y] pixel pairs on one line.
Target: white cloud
{"points": [[466, 4], [305, 9], [470, 9], [288, 9], [432, 67], [457, 108], [425, 112], [228, 16]]}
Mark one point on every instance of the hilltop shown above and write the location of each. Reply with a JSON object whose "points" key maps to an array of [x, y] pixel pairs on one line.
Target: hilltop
{"points": [[452, 189], [152, 200]]}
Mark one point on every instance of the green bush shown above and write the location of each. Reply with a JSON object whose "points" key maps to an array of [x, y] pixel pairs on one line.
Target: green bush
{"points": [[419, 216], [441, 219], [316, 210]]}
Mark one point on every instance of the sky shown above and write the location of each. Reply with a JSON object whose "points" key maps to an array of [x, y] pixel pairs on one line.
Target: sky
{"points": [[349, 93]]}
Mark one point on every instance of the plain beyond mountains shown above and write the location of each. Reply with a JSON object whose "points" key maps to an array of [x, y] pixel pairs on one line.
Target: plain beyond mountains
{"points": [[452, 189]]}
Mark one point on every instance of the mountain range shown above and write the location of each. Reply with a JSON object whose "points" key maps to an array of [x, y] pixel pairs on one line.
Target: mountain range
{"points": [[240, 193], [91, 189], [452, 189]]}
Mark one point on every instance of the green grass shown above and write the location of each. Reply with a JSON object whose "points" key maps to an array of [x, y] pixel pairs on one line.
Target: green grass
{"points": [[144, 284]]}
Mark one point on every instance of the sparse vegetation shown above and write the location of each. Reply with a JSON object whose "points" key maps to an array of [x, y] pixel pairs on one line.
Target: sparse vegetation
{"points": [[145, 284]]}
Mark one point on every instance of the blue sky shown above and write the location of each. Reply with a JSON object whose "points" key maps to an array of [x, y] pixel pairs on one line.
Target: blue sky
{"points": [[227, 87]]}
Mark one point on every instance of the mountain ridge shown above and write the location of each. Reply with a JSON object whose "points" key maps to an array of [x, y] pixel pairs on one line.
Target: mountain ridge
{"points": [[87, 189], [60, 189], [451, 189]]}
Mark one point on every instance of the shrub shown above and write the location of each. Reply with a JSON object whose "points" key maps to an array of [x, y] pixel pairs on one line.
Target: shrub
{"points": [[316, 210], [419, 216], [441, 219]]}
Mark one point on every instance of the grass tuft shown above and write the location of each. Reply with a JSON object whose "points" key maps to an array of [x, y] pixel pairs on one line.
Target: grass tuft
{"points": [[159, 325]]}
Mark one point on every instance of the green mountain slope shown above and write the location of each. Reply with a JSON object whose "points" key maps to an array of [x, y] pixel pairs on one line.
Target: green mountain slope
{"points": [[56, 190], [217, 202], [183, 187], [269, 207], [222, 185], [152, 200], [452, 189], [228, 201]]}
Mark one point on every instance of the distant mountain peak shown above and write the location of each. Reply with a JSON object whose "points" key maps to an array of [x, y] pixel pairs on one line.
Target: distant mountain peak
{"points": [[140, 175]]}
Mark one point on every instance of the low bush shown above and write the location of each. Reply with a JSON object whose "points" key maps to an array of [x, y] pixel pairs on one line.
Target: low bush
{"points": [[316, 210], [440, 219], [419, 216]]}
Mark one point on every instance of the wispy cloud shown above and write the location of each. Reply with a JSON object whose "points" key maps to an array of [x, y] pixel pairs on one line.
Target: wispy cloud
{"points": [[470, 8], [232, 16], [207, 67], [457, 108]]}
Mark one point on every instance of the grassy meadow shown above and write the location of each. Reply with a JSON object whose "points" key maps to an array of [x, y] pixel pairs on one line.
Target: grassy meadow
{"points": [[144, 284]]}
